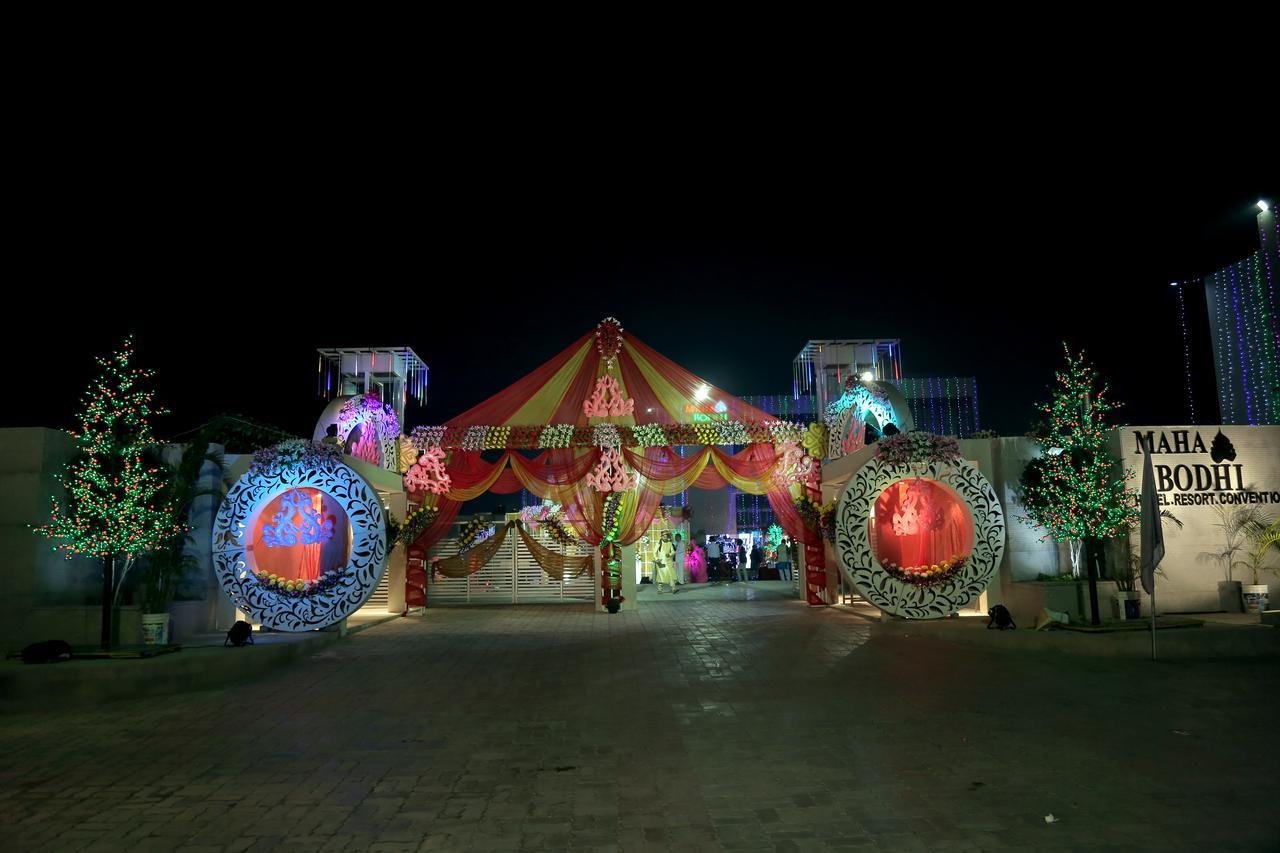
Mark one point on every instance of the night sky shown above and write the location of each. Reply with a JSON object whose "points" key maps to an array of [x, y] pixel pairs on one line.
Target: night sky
{"points": [[727, 264]]}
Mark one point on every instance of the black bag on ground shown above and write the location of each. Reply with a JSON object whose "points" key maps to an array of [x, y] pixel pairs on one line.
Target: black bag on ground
{"points": [[47, 651], [1000, 618], [240, 634]]}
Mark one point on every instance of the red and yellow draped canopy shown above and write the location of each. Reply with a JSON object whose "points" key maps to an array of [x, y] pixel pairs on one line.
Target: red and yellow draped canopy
{"points": [[664, 392]]}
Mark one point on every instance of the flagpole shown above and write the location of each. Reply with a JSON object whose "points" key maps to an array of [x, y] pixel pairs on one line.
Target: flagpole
{"points": [[1153, 621]]}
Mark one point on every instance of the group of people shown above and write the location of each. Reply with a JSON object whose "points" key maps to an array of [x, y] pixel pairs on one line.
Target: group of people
{"points": [[725, 558]]}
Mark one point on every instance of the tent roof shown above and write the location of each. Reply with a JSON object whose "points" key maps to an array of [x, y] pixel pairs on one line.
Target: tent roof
{"points": [[664, 392]]}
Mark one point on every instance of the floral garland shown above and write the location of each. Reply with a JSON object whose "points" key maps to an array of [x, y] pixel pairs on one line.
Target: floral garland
{"points": [[563, 436], [475, 438], [609, 339], [732, 432], [917, 448], [365, 408], [926, 575], [556, 436], [810, 511], [649, 435], [423, 437], [605, 435], [827, 522], [473, 531], [296, 453], [415, 525], [296, 587], [496, 438]]}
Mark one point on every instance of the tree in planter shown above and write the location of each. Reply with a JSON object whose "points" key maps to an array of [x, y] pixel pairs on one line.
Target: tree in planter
{"points": [[1073, 489], [1264, 538], [117, 504], [165, 567], [1128, 581], [1241, 527]]}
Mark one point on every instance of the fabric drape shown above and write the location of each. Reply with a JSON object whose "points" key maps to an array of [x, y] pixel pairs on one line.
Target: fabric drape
{"points": [[475, 558], [558, 566]]}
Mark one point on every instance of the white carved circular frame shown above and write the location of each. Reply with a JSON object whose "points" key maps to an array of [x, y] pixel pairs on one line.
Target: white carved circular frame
{"points": [[360, 576], [898, 597], [879, 399]]}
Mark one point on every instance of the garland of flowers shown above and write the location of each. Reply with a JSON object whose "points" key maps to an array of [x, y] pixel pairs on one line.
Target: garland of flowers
{"points": [[296, 587], [917, 448], [473, 531], [925, 576], [556, 436], [605, 435], [609, 339], [296, 453], [611, 553], [423, 437], [550, 518], [827, 522], [415, 524], [563, 436], [365, 408], [649, 435]]}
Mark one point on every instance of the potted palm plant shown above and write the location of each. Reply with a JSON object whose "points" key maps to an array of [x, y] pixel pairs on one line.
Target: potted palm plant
{"points": [[163, 571], [1263, 538], [1126, 603], [1237, 523]]}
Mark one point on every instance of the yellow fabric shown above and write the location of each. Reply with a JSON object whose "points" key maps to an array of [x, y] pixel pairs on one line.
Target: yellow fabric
{"points": [[558, 566], [670, 398], [481, 487], [540, 408], [751, 487], [474, 559], [676, 485]]}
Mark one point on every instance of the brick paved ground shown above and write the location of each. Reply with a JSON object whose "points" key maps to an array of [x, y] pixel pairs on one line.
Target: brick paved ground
{"points": [[700, 724]]}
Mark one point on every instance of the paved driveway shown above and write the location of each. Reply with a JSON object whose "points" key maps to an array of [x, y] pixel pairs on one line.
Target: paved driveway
{"points": [[704, 723]]}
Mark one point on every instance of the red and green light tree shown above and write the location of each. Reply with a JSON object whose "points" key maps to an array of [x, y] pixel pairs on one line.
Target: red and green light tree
{"points": [[116, 507], [1074, 489]]}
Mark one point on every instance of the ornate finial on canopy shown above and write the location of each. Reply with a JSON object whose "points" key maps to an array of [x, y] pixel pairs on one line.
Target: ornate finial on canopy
{"points": [[609, 339]]}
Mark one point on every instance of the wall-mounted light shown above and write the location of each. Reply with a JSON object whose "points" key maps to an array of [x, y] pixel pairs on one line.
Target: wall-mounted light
{"points": [[867, 376], [1263, 206]]}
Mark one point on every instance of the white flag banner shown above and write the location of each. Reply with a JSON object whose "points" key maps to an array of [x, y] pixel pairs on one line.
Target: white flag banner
{"points": [[1152, 532]]}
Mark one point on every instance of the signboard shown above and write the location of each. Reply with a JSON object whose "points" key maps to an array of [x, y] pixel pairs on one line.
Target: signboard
{"points": [[1203, 474]]}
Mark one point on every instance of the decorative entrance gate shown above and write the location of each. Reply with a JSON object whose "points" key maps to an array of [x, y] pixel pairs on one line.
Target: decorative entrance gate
{"points": [[511, 577]]}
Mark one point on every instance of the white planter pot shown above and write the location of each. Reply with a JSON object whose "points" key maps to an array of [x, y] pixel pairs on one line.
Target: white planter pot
{"points": [[1255, 597], [1125, 606], [155, 629]]}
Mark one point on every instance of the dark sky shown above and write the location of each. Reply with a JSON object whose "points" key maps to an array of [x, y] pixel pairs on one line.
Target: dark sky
{"points": [[231, 271]]}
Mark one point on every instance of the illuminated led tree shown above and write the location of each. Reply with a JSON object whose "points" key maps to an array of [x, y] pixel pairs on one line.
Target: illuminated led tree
{"points": [[116, 507], [1074, 489]]}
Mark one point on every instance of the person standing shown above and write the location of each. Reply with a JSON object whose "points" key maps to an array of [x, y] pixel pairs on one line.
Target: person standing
{"points": [[784, 559], [741, 570], [666, 566], [682, 571], [713, 559], [757, 558]]}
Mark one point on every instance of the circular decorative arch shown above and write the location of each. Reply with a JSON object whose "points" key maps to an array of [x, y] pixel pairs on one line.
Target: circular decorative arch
{"points": [[905, 598], [369, 428], [864, 402], [338, 593]]}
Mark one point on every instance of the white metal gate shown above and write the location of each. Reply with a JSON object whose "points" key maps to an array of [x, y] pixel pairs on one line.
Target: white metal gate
{"points": [[511, 577]]}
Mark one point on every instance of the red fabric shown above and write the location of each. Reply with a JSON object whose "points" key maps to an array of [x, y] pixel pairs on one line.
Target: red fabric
{"points": [[649, 409], [661, 463], [685, 383], [784, 510], [501, 406], [446, 514], [586, 509], [560, 467], [580, 387], [753, 462]]}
